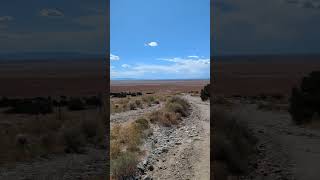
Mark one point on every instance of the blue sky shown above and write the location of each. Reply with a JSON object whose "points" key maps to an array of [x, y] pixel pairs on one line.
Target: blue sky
{"points": [[266, 27], [160, 39], [53, 26]]}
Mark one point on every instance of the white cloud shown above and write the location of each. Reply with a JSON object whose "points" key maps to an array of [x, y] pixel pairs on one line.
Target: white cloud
{"points": [[97, 21], [177, 68], [125, 65], [4, 19], [114, 57], [51, 13], [151, 44], [193, 56]]}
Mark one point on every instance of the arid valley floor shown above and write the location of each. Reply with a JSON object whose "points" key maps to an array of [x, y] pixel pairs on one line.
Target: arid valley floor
{"points": [[254, 98], [177, 145]]}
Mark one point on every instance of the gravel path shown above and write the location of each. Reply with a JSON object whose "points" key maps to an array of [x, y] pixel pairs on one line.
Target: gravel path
{"points": [[286, 151], [181, 152]]}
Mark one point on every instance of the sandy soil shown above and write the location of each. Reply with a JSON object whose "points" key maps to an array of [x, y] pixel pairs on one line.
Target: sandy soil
{"points": [[286, 151], [184, 152]]}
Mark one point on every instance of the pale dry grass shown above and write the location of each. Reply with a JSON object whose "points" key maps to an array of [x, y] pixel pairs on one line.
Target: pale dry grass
{"points": [[175, 108], [24, 137], [125, 146], [118, 105]]}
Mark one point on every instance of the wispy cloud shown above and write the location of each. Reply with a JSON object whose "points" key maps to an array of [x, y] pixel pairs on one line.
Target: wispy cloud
{"points": [[51, 13], [4, 19], [193, 56], [305, 3], [114, 57], [178, 68], [125, 65], [152, 44]]}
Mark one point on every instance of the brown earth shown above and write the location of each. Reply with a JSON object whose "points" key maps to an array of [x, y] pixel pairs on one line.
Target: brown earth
{"points": [[164, 86], [52, 77], [252, 78]]}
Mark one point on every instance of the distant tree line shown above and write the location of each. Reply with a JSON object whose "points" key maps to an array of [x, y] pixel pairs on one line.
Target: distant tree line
{"points": [[46, 105], [305, 100], [125, 94]]}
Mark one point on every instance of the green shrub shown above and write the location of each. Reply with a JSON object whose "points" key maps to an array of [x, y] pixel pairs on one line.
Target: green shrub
{"points": [[165, 118], [205, 93], [76, 104], [132, 106], [74, 139], [305, 101], [90, 127], [138, 103], [124, 166], [31, 106], [178, 105], [148, 99], [142, 123]]}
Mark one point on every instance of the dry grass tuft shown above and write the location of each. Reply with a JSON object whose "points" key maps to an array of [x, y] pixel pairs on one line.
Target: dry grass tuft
{"points": [[124, 147], [24, 137], [175, 108], [233, 142], [118, 105], [124, 166]]}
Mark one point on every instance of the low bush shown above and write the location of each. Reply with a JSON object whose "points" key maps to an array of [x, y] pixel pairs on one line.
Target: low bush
{"points": [[31, 106], [124, 166], [142, 124], [73, 139], [165, 118], [138, 103], [221, 100], [132, 106], [93, 101], [115, 148], [91, 127], [175, 108], [128, 136], [305, 101], [76, 104], [178, 105], [233, 142], [205, 93], [148, 99]]}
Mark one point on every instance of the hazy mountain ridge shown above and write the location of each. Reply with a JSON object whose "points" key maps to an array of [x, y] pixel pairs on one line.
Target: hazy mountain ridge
{"points": [[49, 55]]}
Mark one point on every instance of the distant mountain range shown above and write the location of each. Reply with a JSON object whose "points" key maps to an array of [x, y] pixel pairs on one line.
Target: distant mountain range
{"points": [[48, 55], [268, 58]]}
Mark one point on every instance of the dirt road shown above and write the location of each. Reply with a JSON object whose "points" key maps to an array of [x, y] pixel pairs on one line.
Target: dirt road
{"points": [[286, 151], [182, 152]]}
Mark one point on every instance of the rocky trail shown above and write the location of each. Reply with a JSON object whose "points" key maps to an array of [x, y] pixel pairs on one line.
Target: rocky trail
{"points": [[285, 150], [181, 152]]}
